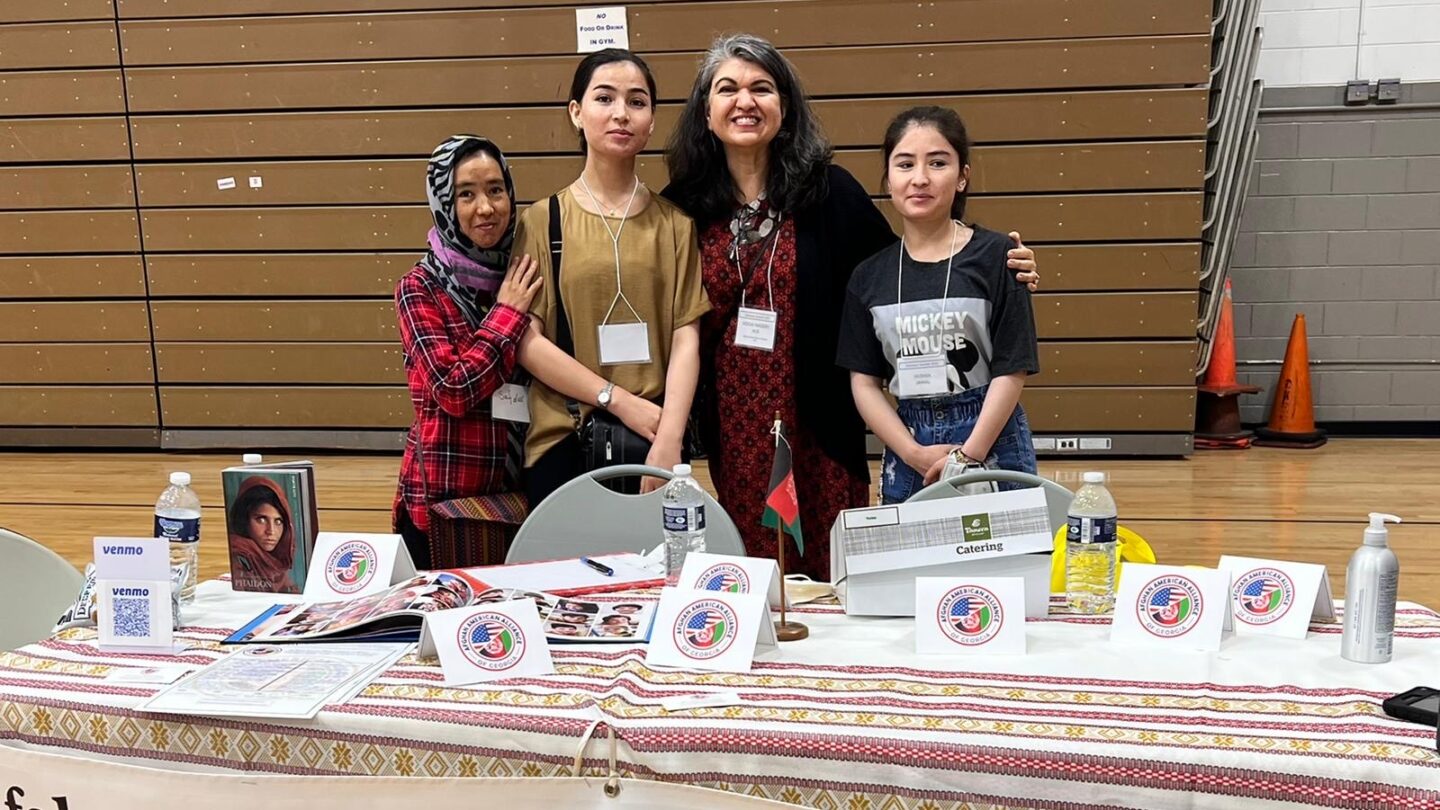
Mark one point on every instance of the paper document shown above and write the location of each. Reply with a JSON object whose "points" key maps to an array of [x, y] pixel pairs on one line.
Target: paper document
{"points": [[572, 577], [290, 682]]}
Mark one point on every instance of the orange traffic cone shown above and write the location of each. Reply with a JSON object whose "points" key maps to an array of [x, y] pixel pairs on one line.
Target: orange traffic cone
{"points": [[1217, 423], [1292, 416]]}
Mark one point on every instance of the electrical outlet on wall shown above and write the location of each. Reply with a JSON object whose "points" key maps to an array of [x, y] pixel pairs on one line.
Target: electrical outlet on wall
{"points": [[1070, 443]]}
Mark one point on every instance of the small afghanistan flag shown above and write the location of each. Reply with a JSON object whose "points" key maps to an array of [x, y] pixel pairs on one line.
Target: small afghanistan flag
{"points": [[782, 505]]}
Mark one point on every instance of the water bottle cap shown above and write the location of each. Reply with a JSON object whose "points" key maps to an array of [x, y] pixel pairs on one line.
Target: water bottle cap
{"points": [[180, 479], [681, 470], [1094, 477], [251, 458]]}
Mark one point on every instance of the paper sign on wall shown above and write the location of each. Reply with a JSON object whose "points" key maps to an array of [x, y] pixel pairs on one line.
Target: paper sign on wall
{"points": [[970, 616], [1276, 597], [724, 572], [716, 631], [597, 28], [1172, 606], [348, 565], [487, 642]]}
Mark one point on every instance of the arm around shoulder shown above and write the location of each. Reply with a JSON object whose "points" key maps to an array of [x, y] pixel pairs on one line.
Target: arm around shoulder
{"points": [[460, 374]]}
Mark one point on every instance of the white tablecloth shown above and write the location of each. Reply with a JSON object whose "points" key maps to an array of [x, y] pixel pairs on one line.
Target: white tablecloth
{"points": [[849, 717]]}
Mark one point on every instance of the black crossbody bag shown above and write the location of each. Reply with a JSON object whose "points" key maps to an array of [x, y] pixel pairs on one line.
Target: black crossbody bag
{"points": [[604, 440]]}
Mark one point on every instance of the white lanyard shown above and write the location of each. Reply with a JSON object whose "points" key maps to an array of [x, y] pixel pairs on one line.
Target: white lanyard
{"points": [[923, 375], [614, 243], [769, 286], [900, 266]]}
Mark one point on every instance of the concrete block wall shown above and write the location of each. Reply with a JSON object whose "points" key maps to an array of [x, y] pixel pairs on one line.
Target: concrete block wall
{"points": [[1323, 42], [1343, 225]]}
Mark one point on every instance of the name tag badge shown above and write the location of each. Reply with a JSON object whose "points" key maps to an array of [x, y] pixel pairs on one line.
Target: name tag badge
{"points": [[922, 375], [756, 329], [511, 403], [624, 343]]}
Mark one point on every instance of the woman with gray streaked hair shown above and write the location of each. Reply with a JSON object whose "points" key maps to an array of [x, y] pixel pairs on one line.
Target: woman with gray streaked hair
{"points": [[781, 229]]}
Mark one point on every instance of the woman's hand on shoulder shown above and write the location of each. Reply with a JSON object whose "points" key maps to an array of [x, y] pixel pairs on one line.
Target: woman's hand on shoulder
{"points": [[1022, 258], [521, 283]]}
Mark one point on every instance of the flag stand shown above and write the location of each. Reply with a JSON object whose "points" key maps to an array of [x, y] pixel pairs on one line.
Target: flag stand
{"points": [[785, 630]]}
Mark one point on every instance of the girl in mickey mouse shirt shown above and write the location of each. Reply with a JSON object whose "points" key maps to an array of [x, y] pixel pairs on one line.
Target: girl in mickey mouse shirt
{"points": [[941, 318]]}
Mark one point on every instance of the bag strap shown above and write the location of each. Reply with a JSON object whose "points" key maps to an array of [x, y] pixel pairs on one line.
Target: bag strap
{"points": [[563, 338]]}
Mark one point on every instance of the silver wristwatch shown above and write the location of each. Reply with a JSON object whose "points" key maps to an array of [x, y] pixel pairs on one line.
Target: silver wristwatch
{"points": [[605, 396]]}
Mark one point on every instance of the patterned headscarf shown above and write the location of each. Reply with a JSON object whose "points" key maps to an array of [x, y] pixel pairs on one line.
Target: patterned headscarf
{"points": [[469, 273]]}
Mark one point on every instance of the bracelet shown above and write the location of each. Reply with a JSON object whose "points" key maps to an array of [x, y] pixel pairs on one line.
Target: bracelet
{"points": [[958, 455]]}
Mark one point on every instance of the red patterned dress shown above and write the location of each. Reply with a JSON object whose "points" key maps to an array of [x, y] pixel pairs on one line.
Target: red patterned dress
{"points": [[750, 386]]}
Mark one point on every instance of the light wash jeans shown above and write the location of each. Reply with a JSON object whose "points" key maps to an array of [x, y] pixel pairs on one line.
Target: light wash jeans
{"points": [[949, 420]]}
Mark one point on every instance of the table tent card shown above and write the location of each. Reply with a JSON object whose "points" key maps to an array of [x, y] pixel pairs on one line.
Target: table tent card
{"points": [[724, 572], [487, 642], [348, 565], [970, 616], [1171, 605], [1271, 597], [717, 631], [877, 553], [132, 558], [134, 615], [132, 592]]}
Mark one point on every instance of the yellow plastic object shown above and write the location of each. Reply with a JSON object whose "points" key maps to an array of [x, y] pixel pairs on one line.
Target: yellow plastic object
{"points": [[1131, 548]]}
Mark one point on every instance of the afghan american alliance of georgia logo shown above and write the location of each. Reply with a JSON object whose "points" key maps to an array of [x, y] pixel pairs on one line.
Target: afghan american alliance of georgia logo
{"points": [[351, 566], [705, 629], [491, 641], [1169, 606], [970, 615], [1263, 595], [723, 577]]}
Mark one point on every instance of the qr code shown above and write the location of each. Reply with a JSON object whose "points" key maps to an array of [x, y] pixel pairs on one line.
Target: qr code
{"points": [[132, 617]]}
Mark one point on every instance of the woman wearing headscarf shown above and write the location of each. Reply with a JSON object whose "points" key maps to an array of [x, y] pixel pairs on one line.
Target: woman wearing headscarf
{"points": [[781, 229], [461, 319], [262, 538]]}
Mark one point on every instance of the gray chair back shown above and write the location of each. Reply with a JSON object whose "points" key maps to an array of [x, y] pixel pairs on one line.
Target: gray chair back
{"points": [[1057, 497], [36, 585], [583, 518]]}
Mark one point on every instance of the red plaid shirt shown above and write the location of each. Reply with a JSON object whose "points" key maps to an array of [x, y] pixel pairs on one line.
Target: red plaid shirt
{"points": [[452, 370]]}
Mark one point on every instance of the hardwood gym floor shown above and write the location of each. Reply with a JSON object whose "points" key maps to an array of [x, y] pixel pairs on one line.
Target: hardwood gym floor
{"points": [[1299, 505]]}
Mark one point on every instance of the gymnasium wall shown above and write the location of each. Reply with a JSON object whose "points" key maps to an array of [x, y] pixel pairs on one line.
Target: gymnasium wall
{"points": [[1343, 224], [1329, 42], [202, 217], [1343, 219]]}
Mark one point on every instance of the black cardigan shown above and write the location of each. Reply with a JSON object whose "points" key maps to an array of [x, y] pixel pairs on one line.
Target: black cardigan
{"points": [[832, 236]]}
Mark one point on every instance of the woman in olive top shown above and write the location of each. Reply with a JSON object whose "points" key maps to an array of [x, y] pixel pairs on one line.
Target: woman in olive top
{"points": [[629, 284]]}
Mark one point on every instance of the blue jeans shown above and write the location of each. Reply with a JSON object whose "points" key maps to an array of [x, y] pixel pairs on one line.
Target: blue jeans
{"points": [[949, 420]]}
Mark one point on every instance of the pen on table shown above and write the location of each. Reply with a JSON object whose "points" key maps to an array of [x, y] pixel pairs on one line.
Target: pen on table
{"points": [[601, 567]]}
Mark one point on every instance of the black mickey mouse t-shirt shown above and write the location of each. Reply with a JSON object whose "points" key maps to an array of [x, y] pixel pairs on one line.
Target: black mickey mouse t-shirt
{"points": [[984, 327]]}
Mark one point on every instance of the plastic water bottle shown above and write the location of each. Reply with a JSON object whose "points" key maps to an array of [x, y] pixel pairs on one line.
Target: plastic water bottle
{"points": [[684, 509], [1090, 548], [177, 518]]}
